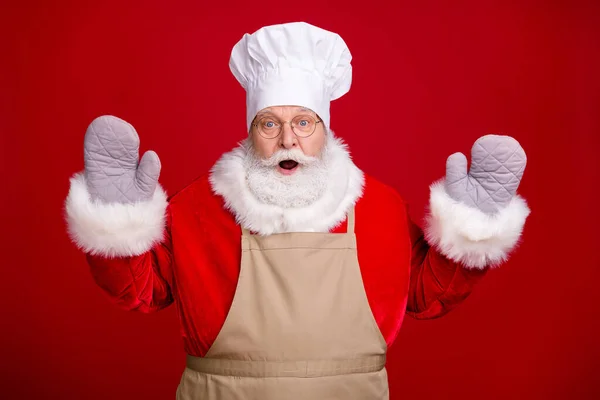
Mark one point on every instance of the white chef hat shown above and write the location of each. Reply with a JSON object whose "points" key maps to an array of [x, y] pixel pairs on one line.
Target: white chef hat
{"points": [[292, 64]]}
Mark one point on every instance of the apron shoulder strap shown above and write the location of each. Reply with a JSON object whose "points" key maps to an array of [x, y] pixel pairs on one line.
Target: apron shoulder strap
{"points": [[350, 224]]}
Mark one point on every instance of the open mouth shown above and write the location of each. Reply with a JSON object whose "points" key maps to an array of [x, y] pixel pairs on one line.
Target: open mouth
{"points": [[288, 164], [287, 167]]}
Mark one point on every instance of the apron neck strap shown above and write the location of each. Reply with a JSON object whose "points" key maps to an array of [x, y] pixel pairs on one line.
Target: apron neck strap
{"points": [[350, 224]]}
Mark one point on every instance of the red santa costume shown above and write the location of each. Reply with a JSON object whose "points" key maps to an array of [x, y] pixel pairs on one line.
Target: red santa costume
{"points": [[186, 248]]}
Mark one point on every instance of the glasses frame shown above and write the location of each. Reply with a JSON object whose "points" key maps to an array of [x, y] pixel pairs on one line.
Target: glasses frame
{"points": [[282, 123]]}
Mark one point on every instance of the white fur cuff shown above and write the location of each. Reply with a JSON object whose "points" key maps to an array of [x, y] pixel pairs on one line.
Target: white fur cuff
{"points": [[467, 235], [113, 230]]}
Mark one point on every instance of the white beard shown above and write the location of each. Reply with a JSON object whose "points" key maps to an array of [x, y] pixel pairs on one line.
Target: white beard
{"points": [[315, 198], [306, 185]]}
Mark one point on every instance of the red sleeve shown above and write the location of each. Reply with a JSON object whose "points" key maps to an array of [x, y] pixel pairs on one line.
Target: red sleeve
{"points": [[138, 283], [437, 284]]}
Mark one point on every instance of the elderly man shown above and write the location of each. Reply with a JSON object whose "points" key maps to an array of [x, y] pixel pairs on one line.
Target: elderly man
{"points": [[291, 269]]}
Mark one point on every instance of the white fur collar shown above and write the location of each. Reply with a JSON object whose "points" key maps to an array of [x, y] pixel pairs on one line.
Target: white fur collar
{"points": [[346, 180]]}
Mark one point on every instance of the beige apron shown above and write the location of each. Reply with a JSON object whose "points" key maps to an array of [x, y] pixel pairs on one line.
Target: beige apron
{"points": [[300, 326]]}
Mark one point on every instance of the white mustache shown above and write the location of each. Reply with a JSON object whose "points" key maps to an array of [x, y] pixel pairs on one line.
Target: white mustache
{"points": [[285, 154]]}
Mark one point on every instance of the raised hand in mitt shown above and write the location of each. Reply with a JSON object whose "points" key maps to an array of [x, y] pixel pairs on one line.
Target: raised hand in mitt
{"points": [[113, 171], [497, 166]]}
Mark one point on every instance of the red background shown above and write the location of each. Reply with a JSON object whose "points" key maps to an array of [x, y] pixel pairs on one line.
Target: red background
{"points": [[429, 78]]}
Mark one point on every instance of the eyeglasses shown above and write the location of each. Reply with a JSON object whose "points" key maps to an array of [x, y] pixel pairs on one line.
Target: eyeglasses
{"points": [[302, 126]]}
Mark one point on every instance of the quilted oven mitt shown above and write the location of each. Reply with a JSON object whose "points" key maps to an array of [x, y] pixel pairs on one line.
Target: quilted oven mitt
{"points": [[497, 166], [112, 171]]}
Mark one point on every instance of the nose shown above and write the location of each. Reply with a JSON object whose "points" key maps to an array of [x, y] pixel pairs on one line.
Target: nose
{"points": [[287, 139]]}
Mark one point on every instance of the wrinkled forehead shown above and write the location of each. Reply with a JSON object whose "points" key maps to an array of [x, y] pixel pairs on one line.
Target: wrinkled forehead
{"points": [[285, 111]]}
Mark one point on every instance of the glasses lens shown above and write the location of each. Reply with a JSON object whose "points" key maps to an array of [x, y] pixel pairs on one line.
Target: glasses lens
{"points": [[304, 125], [268, 127]]}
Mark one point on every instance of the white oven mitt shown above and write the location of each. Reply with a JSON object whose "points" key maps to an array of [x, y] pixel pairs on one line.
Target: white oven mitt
{"points": [[497, 166], [111, 155]]}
